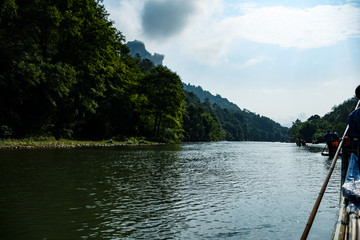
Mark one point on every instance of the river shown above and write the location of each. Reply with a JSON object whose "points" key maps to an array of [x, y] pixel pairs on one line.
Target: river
{"points": [[222, 190]]}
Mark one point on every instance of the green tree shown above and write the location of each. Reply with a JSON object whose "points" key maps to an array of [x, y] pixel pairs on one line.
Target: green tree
{"points": [[193, 124], [165, 101], [293, 131], [145, 65], [62, 64], [307, 131], [212, 128], [336, 120]]}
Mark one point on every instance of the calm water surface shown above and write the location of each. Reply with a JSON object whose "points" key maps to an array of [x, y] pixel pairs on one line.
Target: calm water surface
{"points": [[225, 190]]}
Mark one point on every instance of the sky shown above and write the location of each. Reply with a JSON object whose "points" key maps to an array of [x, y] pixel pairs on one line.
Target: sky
{"points": [[285, 60]]}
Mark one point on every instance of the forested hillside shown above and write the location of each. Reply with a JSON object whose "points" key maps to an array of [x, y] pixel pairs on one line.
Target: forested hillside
{"points": [[234, 123], [66, 72], [203, 95], [315, 127]]}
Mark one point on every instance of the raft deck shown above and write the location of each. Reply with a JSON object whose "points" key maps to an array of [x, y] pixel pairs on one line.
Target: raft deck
{"points": [[347, 226]]}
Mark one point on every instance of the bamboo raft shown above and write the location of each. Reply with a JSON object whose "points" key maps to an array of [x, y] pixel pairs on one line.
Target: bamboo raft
{"points": [[347, 226]]}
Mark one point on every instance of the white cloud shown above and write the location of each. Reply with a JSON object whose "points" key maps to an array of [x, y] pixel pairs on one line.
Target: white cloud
{"points": [[254, 61], [235, 65], [127, 17], [291, 27], [246, 8], [208, 34], [315, 27], [332, 84]]}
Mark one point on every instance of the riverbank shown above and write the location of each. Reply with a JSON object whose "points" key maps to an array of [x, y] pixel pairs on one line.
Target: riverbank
{"points": [[66, 143]]}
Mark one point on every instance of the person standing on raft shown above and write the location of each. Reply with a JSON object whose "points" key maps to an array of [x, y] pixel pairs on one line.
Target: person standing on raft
{"points": [[328, 139], [351, 141]]}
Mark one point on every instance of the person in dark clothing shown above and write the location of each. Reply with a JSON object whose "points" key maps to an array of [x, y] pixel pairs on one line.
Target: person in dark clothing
{"points": [[351, 141], [335, 136], [334, 143], [354, 125], [328, 139]]}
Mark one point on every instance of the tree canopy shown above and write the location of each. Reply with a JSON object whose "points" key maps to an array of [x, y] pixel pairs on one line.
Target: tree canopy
{"points": [[66, 72], [228, 121], [315, 127]]}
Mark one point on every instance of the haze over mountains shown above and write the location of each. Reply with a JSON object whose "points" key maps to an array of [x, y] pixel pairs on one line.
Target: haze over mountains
{"points": [[138, 47]]}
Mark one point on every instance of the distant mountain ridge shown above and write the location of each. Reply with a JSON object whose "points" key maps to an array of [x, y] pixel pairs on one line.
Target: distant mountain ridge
{"points": [[203, 94], [138, 47], [238, 124], [257, 128]]}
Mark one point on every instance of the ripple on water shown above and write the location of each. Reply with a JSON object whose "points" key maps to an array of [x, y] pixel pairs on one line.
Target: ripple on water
{"points": [[225, 190]]}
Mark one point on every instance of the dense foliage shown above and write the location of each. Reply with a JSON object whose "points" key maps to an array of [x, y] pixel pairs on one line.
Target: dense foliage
{"points": [[315, 127], [66, 72], [203, 95], [227, 120]]}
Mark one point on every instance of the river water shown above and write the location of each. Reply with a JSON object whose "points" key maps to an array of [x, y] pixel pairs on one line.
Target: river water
{"points": [[223, 190]]}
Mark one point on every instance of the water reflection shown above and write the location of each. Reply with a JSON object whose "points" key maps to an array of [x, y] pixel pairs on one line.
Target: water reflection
{"points": [[320, 148], [141, 192], [191, 191]]}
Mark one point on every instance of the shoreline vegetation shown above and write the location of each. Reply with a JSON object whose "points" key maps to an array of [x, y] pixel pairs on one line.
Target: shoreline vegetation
{"points": [[67, 143], [67, 72]]}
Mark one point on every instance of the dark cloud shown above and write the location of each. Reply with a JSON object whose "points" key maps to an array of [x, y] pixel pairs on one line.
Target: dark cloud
{"points": [[162, 19]]}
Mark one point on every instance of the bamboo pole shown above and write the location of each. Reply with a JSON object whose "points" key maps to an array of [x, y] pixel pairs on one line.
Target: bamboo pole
{"points": [[323, 188], [352, 227], [357, 227], [340, 228]]}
